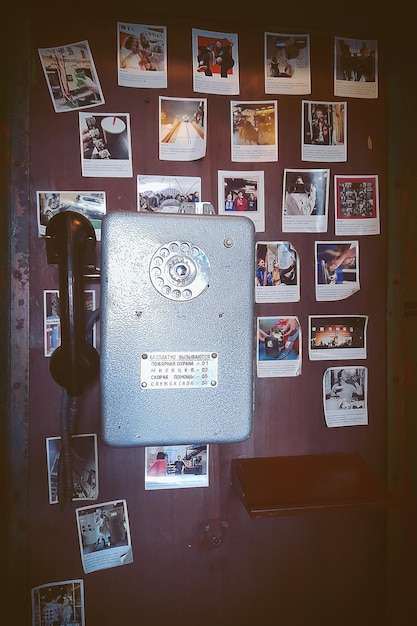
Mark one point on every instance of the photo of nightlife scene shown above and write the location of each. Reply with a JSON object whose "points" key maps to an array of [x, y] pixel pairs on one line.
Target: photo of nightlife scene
{"points": [[337, 332]]}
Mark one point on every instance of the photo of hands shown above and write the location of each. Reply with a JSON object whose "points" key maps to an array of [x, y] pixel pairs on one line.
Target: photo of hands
{"points": [[279, 346]]}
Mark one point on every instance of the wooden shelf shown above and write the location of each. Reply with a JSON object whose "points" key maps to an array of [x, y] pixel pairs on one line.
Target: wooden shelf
{"points": [[294, 485]]}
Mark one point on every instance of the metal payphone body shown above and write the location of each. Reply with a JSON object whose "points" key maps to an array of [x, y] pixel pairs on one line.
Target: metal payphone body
{"points": [[177, 328]]}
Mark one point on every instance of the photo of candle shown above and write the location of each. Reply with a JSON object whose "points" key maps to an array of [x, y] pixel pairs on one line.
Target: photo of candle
{"points": [[114, 133]]}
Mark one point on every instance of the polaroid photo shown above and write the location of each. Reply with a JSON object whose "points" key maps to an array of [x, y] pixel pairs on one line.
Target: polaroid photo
{"points": [[355, 68], [356, 201], [91, 204], [324, 131], [142, 56], [84, 462], [287, 64], [279, 347], [215, 62], [254, 131], [337, 337], [105, 144], [305, 200], [277, 272], [166, 194], [337, 269], [182, 129], [177, 467], [242, 193], [104, 535], [345, 396], [71, 77], [58, 603]]}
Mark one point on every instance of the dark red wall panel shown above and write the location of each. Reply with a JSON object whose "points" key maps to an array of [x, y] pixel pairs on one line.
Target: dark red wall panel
{"points": [[326, 568]]}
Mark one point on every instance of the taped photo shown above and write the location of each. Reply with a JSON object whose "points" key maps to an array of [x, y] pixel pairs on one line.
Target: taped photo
{"points": [[254, 131], [105, 145], [305, 200], [182, 129]]}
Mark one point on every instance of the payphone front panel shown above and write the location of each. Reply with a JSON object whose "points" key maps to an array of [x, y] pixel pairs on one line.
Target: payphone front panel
{"points": [[177, 328]]}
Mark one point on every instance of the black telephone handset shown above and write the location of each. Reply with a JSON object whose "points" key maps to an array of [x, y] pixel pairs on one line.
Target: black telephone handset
{"points": [[70, 239]]}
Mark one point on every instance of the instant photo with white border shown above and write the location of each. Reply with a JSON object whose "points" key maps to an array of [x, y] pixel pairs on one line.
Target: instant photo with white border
{"points": [[58, 602], [141, 56], [182, 128], [279, 347], [71, 76], [337, 337], [356, 201], [305, 200], [345, 396], [165, 194], [177, 467], [91, 204], [277, 272], [336, 269], [105, 145], [287, 64], [84, 464], [215, 62], [237, 190], [324, 131], [104, 535], [355, 68], [254, 130]]}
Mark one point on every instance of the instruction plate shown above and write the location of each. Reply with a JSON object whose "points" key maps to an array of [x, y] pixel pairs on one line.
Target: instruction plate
{"points": [[167, 370]]}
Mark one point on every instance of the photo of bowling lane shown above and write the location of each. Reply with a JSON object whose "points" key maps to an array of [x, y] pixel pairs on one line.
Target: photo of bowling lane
{"points": [[182, 121], [183, 131]]}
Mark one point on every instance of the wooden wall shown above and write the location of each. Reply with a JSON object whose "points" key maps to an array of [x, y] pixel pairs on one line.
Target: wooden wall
{"points": [[326, 568]]}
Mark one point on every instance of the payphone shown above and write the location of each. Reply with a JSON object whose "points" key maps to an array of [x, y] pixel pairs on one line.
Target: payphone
{"points": [[177, 328]]}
